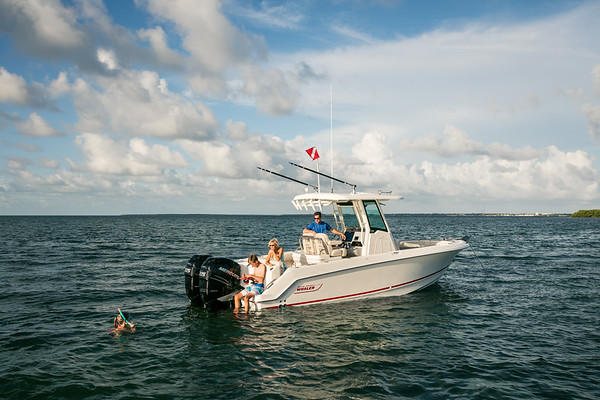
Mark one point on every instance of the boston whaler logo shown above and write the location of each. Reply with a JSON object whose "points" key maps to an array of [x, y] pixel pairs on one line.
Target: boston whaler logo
{"points": [[309, 287]]}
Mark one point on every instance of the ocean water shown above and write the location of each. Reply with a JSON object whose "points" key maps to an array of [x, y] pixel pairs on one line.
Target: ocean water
{"points": [[517, 317]]}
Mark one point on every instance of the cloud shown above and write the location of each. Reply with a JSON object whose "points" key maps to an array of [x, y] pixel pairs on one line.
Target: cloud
{"points": [[354, 34], [36, 126], [472, 72], [547, 174], [18, 163], [59, 182], [138, 103], [59, 86], [280, 16], [136, 157], [240, 158], [16, 91], [270, 88], [372, 149], [213, 52], [592, 111], [42, 27], [48, 163], [14, 88], [455, 143], [213, 43], [28, 147], [107, 58], [596, 79], [158, 40], [221, 56]]}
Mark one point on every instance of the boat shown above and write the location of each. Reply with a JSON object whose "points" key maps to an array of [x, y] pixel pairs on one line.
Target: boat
{"points": [[369, 263]]}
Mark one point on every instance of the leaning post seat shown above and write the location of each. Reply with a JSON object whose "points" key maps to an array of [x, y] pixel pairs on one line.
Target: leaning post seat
{"points": [[327, 244], [320, 245]]}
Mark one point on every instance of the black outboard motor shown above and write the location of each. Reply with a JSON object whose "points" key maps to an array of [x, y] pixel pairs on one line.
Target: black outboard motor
{"points": [[209, 278]]}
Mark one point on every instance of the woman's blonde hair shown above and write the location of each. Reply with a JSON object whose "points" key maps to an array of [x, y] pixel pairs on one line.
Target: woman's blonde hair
{"points": [[252, 259], [275, 242]]}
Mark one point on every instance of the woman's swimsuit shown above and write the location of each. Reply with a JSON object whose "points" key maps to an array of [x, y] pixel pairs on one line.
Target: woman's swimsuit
{"points": [[276, 262]]}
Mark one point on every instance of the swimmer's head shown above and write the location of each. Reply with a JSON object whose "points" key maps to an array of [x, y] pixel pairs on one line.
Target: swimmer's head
{"points": [[120, 318]]}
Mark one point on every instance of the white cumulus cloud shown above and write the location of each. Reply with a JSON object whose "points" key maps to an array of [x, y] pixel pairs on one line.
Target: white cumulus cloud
{"points": [[116, 157], [138, 103], [36, 126], [14, 88]]}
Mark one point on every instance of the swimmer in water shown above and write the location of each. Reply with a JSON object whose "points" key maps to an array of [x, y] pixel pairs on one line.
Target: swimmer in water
{"points": [[123, 323]]}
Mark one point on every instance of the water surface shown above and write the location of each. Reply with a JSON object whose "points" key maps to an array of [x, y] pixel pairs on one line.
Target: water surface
{"points": [[519, 321]]}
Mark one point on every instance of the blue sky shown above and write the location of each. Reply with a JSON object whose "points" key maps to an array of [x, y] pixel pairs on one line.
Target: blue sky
{"points": [[146, 106]]}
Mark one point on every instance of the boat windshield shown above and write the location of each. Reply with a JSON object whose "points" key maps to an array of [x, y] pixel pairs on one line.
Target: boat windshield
{"points": [[374, 216], [348, 215]]}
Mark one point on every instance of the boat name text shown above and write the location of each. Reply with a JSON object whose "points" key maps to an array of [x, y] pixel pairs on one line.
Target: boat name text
{"points": [[309, 288]]}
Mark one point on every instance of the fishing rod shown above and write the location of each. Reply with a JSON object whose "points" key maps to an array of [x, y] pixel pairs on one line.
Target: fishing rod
{"points": [[325, 175], [287, 177]]}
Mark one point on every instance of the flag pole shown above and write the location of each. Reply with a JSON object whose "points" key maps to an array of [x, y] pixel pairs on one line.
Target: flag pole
{"points": [[314, 154], [318, 177]]}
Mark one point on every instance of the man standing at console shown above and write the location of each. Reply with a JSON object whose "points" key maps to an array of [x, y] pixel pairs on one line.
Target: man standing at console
{"points": [[319, 226]]}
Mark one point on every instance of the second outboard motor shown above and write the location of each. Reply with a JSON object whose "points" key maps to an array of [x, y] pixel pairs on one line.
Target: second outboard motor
{"points": [[192, 270], [209, 278]]}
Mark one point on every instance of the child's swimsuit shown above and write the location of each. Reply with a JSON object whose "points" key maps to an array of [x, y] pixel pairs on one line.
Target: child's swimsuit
{"points": [[254, 288]]}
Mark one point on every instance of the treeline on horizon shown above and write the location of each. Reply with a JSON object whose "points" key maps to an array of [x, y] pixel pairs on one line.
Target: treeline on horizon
{"points": [[586, 214]]}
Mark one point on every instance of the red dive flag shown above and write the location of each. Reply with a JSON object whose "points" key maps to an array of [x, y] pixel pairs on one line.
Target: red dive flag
{"points": [[312, 153]]}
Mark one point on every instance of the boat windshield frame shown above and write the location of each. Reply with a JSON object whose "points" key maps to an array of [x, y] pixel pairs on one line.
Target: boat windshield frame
{"points": [[348, 216], [375, 218]]}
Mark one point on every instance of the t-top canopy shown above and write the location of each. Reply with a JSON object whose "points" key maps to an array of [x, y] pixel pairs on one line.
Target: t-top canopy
{"points": [[319, 200]]}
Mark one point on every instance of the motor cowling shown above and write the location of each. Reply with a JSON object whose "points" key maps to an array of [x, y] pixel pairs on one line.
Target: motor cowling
{"points": [[209, 278]]}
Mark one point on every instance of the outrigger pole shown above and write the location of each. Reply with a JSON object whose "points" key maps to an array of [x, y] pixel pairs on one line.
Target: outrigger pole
{"points": [[325, 175], [287, 177]]}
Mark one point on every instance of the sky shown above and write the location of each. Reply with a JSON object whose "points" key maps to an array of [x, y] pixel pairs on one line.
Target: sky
{"points": [[153, 107]]}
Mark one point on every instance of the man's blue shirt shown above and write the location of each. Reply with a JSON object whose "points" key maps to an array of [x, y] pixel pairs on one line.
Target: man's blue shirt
{"points": [[323, 227]]}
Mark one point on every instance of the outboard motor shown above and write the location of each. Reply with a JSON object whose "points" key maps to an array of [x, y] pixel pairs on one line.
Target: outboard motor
{"points": [[209, 278]]}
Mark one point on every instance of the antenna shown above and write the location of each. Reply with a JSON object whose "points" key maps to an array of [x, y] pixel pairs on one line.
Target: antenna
{"points": [[287, 177], [331, 129], [325, 175]]}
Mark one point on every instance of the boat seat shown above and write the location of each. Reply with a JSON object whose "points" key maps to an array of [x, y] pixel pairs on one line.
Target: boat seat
{"points": [[323, 245], [309, 246], [273, 272]]}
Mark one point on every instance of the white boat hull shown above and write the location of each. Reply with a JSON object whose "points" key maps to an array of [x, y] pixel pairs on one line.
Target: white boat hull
{"points": [[390, 274]]}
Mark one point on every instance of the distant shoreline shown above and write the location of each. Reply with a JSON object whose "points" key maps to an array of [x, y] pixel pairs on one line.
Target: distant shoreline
{"points": [[586, 214], [492, 214]]}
